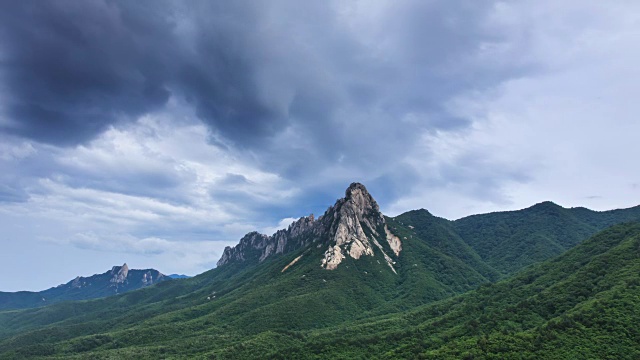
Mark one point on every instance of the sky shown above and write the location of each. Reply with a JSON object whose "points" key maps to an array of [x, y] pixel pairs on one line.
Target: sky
{"points": [[158, 132]]}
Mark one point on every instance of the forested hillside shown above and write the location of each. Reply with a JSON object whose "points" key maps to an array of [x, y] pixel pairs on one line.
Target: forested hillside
{"points": [[411, 286], [583, 304], [511, 240]]}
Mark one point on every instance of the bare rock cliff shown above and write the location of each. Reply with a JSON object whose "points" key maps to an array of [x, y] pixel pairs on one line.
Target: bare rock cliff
{"points": [[352, 227]]}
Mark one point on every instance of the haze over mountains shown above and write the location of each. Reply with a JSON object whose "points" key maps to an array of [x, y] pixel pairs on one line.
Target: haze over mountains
{"points": [[353, 282]]}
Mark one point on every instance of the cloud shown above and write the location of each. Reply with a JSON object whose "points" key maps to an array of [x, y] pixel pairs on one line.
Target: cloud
{"points": [[191, 257], [75, 68], [283, 224], [560, 133], [352, 81], [153, 174], [10, 193], [344, 97]]}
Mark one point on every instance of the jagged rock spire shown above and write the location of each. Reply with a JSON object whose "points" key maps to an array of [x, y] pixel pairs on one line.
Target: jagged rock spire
{"points": [[356, 228], [352, 227], [119, 273]]}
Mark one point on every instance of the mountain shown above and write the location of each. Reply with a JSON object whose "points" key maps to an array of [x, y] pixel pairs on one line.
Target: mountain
{"points": [[440, 235], [353, 246], [584, 304], [179, 276], [351, 284], [508, 241], [346, 265], [118, 280], [353, 227]]}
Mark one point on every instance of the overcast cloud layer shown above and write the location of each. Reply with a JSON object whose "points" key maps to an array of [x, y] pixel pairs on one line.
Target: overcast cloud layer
{"points": [[157, 132]]}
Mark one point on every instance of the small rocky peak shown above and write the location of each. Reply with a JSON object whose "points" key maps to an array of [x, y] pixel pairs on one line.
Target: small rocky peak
{"points": [[301, 225], [358, 193], [251, 241], [119, 274], [282, 241], [356, 227], [226, 256]]}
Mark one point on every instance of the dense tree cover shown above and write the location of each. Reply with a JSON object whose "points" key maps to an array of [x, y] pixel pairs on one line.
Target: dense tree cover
{"points": [[245, 299], [511, 240], [582, 304], [440, 234]]}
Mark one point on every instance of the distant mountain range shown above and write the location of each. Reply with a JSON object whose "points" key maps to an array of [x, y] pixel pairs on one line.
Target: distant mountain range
{"points": [[118, 280], [178, 276], [354, 283]]}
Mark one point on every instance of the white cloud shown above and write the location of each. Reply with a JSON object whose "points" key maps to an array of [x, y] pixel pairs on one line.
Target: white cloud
{"points": [[190, 257], [565, 133], [146, 191], [283, 224]]}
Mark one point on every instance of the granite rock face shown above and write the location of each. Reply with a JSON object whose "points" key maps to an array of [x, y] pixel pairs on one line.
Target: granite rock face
{"points": [[119, 274], [356, 227], [255, 245], [352, 227]]}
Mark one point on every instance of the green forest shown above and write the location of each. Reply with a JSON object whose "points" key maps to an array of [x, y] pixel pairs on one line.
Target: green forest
{"points": [[576, 295]]}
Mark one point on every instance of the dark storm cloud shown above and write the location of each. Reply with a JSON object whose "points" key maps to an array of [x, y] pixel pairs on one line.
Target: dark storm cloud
{"points": [[72, 68], [299, 87]]}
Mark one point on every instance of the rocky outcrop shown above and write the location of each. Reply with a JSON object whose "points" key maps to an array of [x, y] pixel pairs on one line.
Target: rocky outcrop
{"points": [[355, 226], [149, 279], [394, 241], [76, 283], [352, 227], [291, 263], [260, 246], [119, 274]]}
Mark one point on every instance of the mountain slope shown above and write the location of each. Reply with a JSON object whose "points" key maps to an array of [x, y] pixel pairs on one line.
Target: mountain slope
{"points": [[119, 279], [583, 304], [346, 265], [439, 234], [350, 284], [511, 240]]}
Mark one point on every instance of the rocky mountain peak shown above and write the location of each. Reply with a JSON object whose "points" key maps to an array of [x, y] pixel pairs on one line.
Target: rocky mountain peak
{"points": [[119, 273], [353, 227], [358, 193], [356, 227]]}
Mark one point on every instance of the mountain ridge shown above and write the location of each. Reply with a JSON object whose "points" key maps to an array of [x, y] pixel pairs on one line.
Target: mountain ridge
{"points": [[351, 227], [288, 302], [510, 240], [117, 280]]}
